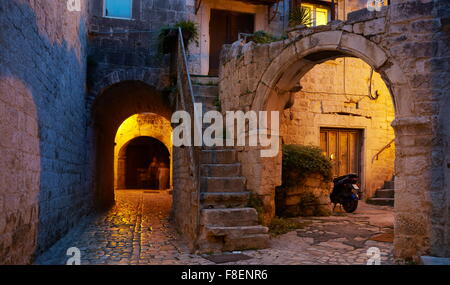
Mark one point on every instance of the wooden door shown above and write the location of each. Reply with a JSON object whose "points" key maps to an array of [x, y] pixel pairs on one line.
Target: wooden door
{"points": [[343, 147], [224, 28]]}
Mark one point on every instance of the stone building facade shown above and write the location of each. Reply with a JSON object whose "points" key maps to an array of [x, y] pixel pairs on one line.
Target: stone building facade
{"points": [[70, 77], [405, 43]]}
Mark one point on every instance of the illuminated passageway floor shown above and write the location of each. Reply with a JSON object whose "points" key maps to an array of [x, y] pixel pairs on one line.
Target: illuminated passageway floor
{"points": [[137, 230]]}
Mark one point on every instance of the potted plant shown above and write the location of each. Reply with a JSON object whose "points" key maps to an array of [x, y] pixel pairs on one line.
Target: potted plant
{"points": [[168, 36], [262, 37], [300, 16]]}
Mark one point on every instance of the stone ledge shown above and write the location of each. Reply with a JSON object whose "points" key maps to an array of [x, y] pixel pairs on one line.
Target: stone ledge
{"points": [[365, 15], [431, 260]]}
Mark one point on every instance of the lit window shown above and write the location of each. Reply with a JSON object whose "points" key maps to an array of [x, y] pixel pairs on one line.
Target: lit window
{"points": [[319, 15], [118, 8]]}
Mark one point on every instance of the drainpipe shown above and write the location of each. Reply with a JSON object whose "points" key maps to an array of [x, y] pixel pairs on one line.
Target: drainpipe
{"points": [[333, 11], [286, 11]]}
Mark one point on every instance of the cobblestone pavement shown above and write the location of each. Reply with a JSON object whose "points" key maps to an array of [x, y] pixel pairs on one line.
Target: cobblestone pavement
{"points": [[137, 231]]}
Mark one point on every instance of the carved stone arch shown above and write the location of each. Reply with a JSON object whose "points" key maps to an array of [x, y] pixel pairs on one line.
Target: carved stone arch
{"points": [[124, 97], [297, 58], [150, 76]]}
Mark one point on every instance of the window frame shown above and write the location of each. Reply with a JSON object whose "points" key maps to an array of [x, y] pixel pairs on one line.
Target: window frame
{"points": [[114, 17], [313, 7]]}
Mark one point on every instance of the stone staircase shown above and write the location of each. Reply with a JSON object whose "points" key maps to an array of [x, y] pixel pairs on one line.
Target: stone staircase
{"points": [[384, 196], [227, 223]]}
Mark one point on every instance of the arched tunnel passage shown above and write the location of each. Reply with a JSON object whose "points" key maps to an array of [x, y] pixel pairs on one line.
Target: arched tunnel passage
{"points": [[113, 106], [143, 125], [145, 164]]}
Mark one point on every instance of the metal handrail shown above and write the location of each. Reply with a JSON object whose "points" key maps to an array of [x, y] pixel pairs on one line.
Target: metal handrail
{"points": [[186, 96], [388, 145]]}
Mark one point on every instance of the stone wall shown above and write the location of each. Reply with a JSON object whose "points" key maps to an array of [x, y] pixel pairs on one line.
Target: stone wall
{"points": [[20, 169], [123, 45], [346, 6], [185, 197], [44, 187], [310, 198], [407, 43], [445, 118], [440, 188], [334, 95]]}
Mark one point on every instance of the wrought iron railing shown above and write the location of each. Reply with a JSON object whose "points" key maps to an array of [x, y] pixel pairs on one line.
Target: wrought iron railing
{"points": [[185, 101], [388, 145]]}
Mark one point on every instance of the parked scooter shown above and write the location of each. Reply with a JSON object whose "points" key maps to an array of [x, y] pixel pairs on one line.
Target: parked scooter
{"points": [[346, 192]]}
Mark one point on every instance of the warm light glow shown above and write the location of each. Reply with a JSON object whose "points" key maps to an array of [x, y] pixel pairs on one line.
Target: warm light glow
{"points": [[319, 16], [139, 125]]}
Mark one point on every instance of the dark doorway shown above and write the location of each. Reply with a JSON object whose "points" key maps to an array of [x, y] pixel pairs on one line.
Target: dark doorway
{"points": [[147, 161], [343, 147], [224, 28]]}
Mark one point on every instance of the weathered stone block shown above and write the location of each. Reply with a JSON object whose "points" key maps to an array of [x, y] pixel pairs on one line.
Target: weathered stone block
{"points": [[367, 50], [348, 28], [229, 217], [374, 27], [358, 28]]}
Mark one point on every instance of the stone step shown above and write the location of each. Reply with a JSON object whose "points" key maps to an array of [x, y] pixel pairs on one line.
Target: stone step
{"points": [[384, 193], [238, 238], [433, 260], [232, 217], [220, 170], [248, 242], [221, 135], [222, 184], [207, 101], [204, 80], [219, 147], [220, 239], [206, 108], [221, 156], [224, 200], [236, 232], [206, 90], [389, 185], [381, 201]]}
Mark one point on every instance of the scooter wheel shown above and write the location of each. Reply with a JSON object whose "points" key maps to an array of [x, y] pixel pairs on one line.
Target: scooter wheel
{"points": [[350, 206]]}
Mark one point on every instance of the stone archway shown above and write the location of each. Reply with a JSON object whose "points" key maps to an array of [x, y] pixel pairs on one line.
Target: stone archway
{"points": [[113, 105], [293, 62], [139, 125], [268, 74], [298, 58], [132, 164]]}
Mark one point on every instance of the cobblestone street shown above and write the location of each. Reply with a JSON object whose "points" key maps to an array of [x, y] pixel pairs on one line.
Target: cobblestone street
{"points": [[137, 231]]}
